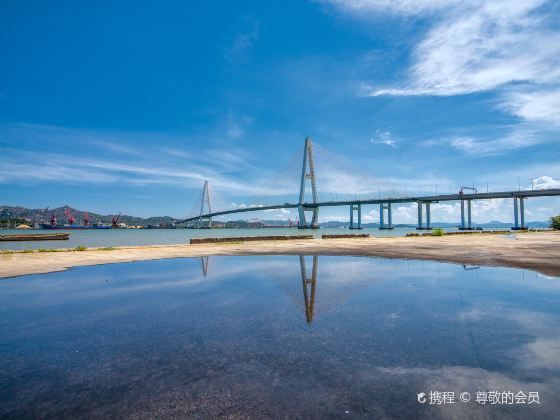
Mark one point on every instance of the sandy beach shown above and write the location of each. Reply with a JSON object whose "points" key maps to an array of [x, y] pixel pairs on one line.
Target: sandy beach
{"points": [[538, 251]]}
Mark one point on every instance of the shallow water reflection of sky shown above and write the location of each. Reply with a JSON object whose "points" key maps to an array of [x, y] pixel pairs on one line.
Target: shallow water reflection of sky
{"points": [[278, 336]]}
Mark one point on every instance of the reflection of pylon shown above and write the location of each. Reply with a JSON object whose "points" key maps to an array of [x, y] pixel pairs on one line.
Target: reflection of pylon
{"points": [[204, 262], [308, 172], [205, 200], [309, 295]]}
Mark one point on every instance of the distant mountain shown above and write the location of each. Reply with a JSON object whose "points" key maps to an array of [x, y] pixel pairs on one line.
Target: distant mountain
{"points": [[341, 224], [44, 216]]}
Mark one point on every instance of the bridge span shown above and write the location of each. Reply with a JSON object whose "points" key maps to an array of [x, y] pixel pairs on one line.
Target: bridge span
{"points": [[204, 218]]}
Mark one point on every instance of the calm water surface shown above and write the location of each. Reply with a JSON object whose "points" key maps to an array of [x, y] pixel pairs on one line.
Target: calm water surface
{"points": [[132, 237], [280, 336]]}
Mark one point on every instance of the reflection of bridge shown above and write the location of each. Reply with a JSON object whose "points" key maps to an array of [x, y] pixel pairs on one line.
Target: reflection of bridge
{"points": [[308, 270], [309, 284], [204, 218]]}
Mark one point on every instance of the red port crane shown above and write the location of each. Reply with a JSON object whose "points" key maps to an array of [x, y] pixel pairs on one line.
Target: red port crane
{"points": [[69, 216], [86, 219], [115, 221], [53, 217]]}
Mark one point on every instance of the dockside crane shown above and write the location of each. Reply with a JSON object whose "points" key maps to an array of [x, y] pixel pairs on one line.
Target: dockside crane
{"points": [[53, 217], [69, 216], [115, 221]]}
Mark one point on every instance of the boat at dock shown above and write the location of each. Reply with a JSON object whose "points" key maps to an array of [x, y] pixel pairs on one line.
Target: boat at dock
{"points": [[62, 227], [36, 237], [71, 225]]}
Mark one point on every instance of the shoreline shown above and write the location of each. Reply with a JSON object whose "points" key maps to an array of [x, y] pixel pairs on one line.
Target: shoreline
{"points": [[537, 251]]}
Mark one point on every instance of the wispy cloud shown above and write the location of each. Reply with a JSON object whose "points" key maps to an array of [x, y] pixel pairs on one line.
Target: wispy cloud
{"points": [[545, 182], [537, 104], [486, 146], [174, 152], [31, 167], [236, 125], [480, 45], [404, 7], [234, 130], [100, 157], [383, 137], [243, 42]]}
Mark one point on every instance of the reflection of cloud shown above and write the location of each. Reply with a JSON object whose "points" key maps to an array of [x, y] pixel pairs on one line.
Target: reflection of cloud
{"points": [[474, 314], [542, 353], [544, 276]]}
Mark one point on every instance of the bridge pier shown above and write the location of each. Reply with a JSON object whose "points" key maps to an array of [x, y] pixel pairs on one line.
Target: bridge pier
{"points": [[522, 212], [428, 216], [303, 219], [354, 207], [469, 215], [462, 215], [382, 208], [519, 213]]}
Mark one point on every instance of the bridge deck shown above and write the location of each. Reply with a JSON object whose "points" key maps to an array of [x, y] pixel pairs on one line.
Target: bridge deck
{"points": [[424, 199]]}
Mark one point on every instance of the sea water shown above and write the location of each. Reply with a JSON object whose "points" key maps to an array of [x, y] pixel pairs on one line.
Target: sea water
{"points": [[131, 237], [280, 336]]}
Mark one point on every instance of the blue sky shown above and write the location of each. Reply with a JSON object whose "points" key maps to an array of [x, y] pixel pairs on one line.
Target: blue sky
{"points": [[126, 106]]}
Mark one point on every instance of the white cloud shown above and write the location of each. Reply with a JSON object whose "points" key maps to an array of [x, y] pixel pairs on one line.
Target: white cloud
{"points": [[490, 146], [234, 131], [542, 352], [172, 151], [545, 182], [115, 160], [383, 137], [243, 42], [406, 7], [30, 167], [479, 45], [235, 126], [539, 105]]}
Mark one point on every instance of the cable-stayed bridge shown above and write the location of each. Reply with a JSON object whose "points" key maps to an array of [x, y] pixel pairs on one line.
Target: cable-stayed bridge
{"points": [[301, 193]]}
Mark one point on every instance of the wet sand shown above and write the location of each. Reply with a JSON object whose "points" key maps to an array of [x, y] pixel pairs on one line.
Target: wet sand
{"points": [[538, 251]]}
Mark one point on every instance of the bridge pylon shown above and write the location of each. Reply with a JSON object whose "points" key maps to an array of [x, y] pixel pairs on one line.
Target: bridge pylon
{"points": [[308, 173], [202, 220]]}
